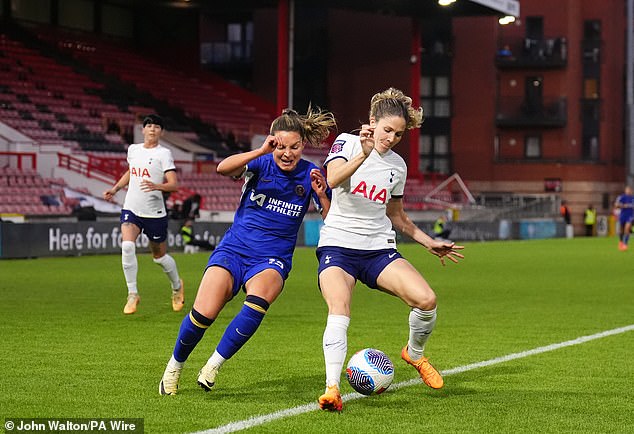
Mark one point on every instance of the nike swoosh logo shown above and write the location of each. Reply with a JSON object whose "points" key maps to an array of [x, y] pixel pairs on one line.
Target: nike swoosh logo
{"points": [[241, 334], [391, 255], [183, 343], [266, 180], [155, 238]]}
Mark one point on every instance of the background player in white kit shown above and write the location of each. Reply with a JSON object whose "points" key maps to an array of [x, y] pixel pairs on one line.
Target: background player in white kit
{"points": [[151, 172], [357, 241]]}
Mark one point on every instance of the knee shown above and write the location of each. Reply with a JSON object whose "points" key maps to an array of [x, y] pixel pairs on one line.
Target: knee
{"points": [[425, 301], [128, 248]]}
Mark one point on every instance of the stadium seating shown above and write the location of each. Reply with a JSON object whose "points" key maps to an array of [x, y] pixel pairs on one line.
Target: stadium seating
{"points": [[48, 101], [233, 111], [43, 95], [218, 192], [24, 191]]}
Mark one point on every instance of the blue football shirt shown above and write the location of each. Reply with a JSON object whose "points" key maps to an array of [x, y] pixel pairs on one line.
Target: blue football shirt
{"points": [[626, 201], [271, 210]]}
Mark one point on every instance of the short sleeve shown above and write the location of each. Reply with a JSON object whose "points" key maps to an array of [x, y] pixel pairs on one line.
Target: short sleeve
{"points": [[343, 147], [168, 161]]}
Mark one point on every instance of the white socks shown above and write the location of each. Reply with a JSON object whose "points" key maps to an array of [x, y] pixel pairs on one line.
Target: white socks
{"points": [[130, 265], [421, 324], [335, 343], [216, 360], [175, 364], [169, 266]]}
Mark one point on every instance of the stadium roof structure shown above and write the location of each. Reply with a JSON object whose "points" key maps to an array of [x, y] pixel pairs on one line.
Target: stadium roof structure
{"points": [[413, 8]]}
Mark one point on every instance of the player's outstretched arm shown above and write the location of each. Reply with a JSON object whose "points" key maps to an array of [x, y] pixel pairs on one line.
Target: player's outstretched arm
{"points": [[122, 182], [401, 221]]}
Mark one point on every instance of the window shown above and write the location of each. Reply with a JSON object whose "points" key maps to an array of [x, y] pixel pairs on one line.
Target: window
{"points": [[441, 145], [428, 107], [590, 88], [441, 86], [425, 87], [434, 153], [424, 145], [234, 32], [441, 165], [442, 108], [592, 30], [533, 147], [435, 96]]}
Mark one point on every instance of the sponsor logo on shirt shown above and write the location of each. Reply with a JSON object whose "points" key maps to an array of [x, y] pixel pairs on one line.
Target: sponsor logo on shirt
{"points": [[140, 171], [277, 205], [371, 193]]}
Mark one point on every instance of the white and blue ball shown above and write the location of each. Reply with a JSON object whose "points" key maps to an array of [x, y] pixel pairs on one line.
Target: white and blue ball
{"points": [[370, 371]]}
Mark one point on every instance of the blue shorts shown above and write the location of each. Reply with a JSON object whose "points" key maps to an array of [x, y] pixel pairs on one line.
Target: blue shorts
{"points": [[625, 218], [154, 228], [242, 267], [363, 265]]}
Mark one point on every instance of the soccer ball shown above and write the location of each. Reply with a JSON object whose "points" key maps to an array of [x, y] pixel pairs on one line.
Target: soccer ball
{"points": [[370, 371]]}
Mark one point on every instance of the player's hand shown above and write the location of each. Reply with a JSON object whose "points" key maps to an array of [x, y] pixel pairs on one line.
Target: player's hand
{"points": [[366, 136], [269, 145], [147, 185], [445, 250], [318, 181], [108, 195]]}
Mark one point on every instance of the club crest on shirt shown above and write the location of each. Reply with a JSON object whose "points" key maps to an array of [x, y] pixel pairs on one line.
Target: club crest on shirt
{"points": [[337, 146], [300, 190]]}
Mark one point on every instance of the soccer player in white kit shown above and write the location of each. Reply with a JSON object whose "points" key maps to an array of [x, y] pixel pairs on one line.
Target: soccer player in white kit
{"points": [[151, 172], [357, 241]]}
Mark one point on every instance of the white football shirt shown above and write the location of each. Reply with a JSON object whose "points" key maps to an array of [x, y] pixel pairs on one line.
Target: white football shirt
{"points": [[357, 218], [147, 163]]}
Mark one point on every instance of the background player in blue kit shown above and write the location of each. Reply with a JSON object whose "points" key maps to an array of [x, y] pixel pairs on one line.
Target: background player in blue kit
{"points": [[256, 251], [357, 241], [625, 204]]}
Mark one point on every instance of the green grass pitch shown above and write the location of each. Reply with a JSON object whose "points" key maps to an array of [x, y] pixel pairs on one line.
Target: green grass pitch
{"points": [[69, 352]]}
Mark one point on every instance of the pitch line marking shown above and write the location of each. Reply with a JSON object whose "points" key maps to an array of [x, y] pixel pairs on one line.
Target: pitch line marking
{"points": [[306, 408]]}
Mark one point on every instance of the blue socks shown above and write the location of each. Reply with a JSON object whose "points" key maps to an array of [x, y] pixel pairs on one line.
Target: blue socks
{"points": [[243, 326], [191, 332], [236, 335]]}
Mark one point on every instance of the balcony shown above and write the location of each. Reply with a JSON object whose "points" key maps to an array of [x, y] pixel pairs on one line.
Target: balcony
{"points": [[517, 112], [528, 53]]}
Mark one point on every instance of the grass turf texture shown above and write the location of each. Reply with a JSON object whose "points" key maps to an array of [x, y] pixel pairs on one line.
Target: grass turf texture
{"points": [[68, 351]]}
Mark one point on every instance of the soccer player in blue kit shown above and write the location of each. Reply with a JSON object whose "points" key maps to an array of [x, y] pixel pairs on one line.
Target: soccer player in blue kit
{"points": [[625, 204], [256, 251]]}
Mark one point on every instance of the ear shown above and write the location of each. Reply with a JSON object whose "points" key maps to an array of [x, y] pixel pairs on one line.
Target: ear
{"points": [[372, 121]]}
